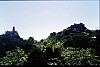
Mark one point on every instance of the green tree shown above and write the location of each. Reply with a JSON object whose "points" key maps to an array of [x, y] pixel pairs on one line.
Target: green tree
{"points": [[15, 57], [73, 56]]}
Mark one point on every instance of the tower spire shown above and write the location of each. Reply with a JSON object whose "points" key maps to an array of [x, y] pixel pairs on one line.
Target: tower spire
{"points": [[13, 29]]}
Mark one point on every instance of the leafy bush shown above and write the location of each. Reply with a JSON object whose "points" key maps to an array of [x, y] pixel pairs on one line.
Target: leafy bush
{"points": [[15, 57], [73, 56]]}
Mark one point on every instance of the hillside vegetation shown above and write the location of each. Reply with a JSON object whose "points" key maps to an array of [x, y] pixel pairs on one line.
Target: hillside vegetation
{"points": [[75, 45]]}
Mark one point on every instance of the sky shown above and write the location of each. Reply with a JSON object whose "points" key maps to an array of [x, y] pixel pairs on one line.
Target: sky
{"points": [[38, 19]]}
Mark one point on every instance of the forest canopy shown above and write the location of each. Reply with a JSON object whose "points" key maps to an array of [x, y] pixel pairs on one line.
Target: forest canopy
{"points": [[75, 45]]}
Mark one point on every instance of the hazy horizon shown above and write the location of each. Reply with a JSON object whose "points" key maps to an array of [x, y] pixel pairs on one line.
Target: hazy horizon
{"points": [[38, 19]]}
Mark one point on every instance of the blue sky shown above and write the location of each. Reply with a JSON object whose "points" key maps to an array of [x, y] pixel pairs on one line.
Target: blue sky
{"points": [[38, 19]]}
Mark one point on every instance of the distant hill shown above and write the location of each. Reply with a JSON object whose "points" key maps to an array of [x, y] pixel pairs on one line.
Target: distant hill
{"points": [[9, 40], [71, 30], [76, 35]]}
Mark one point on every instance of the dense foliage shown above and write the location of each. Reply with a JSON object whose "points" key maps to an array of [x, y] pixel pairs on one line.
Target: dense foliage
{"points": [[15, 57], [75, 45]]}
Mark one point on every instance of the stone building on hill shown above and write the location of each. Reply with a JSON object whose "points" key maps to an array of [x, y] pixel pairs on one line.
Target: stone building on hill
{"points": [[12, 33]]}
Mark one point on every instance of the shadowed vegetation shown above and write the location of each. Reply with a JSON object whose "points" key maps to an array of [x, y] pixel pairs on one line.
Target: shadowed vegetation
{"points": [[75, 45]]}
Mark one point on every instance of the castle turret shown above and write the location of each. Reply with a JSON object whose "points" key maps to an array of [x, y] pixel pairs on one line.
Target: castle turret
{"points": [[13, 29]]}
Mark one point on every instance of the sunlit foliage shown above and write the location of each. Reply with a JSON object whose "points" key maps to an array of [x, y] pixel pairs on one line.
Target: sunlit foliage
{"points": [[15, 57]]}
